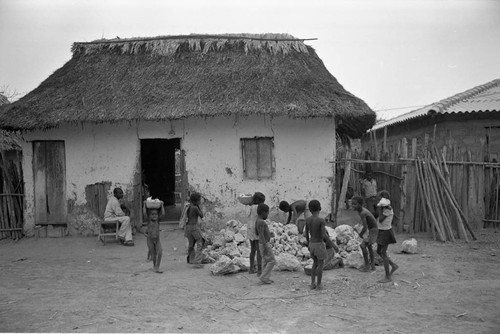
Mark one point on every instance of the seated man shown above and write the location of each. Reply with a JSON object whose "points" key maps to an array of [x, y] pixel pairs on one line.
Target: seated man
{"points": [[114, 212]]}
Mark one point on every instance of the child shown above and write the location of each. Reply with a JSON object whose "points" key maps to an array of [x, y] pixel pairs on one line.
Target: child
{"points": [[315, 227], [298, 210], [192, 231], [370, 224], [386, 237], [153, 238], [369, 190], [262, 231], [258, 198]]}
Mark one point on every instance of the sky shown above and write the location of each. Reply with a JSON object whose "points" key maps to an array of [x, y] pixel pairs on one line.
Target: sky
{"points": [[396, 55]]}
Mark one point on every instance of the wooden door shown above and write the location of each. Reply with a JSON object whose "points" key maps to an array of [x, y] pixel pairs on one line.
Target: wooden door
{"points": [[184, 180], [49, 172]]}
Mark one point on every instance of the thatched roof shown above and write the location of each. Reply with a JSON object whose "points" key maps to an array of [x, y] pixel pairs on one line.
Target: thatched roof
{"points": [[8, 140], [177, 77]]}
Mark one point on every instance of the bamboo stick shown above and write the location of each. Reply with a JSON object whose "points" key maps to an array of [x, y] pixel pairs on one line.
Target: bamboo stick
{"points": [[434, 223], [447, 187], [435, 203], [439, 203], [345, 182], [459, 220]]}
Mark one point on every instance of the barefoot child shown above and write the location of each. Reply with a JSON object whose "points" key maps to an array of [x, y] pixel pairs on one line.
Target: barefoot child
{"points": [[262, 231], [315, 234], [258, 198], [386, 237], [192, 231], [153, 238], [297, 213], [370, 224]]}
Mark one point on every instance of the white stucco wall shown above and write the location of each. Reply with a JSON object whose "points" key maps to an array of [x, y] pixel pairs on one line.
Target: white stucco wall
{"points": [[109, 152]]}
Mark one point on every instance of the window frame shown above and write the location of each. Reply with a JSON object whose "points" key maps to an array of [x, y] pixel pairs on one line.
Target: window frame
{"points": [[259, 169]]}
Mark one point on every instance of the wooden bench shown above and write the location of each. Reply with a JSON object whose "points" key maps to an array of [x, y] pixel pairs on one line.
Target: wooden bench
{"points": [[103, 225], [44, 226]]}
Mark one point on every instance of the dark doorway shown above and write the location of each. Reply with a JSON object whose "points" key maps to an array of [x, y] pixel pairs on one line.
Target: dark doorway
{"points": [[159, 173]]}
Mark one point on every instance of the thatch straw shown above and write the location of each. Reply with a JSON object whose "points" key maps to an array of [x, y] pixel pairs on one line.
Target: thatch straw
{"points": [[177, 77]]}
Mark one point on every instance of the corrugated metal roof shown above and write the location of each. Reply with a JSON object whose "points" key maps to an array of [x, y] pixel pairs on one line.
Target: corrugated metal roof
{"points": [[483, 98]]}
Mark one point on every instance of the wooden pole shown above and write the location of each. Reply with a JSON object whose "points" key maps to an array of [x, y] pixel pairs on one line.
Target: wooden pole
{"points": [[404, 174], [334, 174], [458, 217], [447, 187], [345, 182], [425, 192], [385, 142]]}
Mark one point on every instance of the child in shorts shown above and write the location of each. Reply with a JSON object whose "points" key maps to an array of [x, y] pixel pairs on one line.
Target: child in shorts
{"points": [[386, 237], [258, 198], [266, 251], [315, 233], [297, 213], [370, 224]]}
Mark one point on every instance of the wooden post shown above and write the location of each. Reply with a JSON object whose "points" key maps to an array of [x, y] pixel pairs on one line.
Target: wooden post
{"points": [[414, 144], [426, 145], [385, 141], [377, 152], [404, 171], [345, 181], [334, 175]]}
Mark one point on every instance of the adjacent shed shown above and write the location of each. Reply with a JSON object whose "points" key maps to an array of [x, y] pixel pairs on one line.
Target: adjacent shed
{"points": [[461, 131], [467, 121], [222, 115]]}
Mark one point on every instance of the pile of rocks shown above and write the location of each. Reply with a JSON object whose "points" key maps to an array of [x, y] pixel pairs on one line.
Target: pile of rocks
{"points": [[230, 249]]}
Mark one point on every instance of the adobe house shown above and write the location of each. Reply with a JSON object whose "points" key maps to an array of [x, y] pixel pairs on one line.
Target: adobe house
{"points": [[221, 115]]}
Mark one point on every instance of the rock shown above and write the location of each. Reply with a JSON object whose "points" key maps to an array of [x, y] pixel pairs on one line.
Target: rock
{"points": [[343, 230], [354, 260], [241, 262], [234, 224], [331, 233], [238, 238], [287, 262], [244, 250], [291, 229], [409, 246], [243, 231], [229, 235], [219, 241], [224, 266], [352, 245], [214, 254], [305, 252]]}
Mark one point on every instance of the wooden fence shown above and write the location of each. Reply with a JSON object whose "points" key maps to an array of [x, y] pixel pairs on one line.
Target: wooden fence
{"points": [[11, 198], [471, 203]]}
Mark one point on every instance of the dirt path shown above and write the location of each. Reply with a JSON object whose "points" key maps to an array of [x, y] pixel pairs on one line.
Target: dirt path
{"points": [[77, 285]]}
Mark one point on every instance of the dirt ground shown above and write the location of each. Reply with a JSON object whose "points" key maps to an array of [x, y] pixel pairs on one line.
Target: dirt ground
{"points": [[76, 284]]}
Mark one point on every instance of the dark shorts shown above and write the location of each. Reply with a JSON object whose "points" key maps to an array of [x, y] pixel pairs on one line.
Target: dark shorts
{"points": [[372, 236], [386, 237], [318, 250]]}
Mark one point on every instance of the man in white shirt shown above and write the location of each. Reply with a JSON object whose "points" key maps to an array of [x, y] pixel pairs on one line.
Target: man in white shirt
{"points": [[115, 212]]}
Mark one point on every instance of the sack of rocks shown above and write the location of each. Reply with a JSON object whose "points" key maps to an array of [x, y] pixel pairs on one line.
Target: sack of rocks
{"points": [[409, 246]]}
